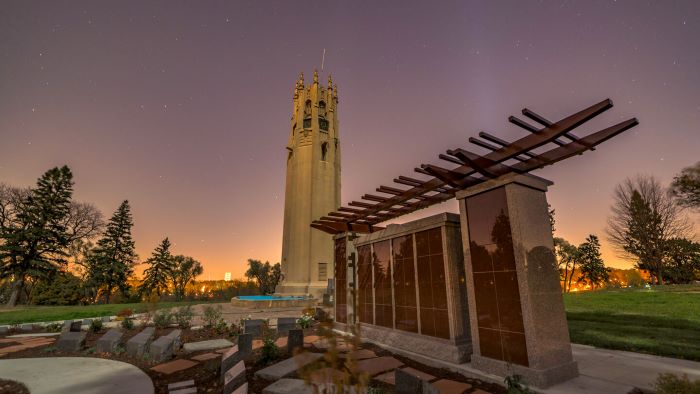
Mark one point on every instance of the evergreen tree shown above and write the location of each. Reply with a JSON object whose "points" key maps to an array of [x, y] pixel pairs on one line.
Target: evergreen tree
{"points": [[592, 267], [34, 243], [184, 270], [112, 262], [157, 276]]}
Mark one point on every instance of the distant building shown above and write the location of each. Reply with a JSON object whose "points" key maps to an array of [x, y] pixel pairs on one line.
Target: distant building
{"points": [[227, 276]]}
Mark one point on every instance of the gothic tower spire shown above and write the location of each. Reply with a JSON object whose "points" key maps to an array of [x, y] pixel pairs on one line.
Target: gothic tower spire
{"points": [[312, 187]]}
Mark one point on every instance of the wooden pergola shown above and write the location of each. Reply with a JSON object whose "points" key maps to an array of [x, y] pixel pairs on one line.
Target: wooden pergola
{"points": [[472, 168]]}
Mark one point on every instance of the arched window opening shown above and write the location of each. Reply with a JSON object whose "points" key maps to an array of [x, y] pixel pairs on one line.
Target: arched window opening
{"points": [[324, 151], [322, 109]]}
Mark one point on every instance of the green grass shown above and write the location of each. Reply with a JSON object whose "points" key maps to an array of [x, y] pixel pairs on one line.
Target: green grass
{"points": [[30, 314], [663, 320]]}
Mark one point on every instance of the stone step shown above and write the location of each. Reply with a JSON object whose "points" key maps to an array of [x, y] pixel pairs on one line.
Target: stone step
{"points": [[71, 341], [212, 344], [138, 344]]}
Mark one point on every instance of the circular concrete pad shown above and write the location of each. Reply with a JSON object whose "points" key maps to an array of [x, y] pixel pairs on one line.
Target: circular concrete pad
{"points": [[76, 375]]}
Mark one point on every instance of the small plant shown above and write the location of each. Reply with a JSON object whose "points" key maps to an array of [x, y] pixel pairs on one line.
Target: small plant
{"points": [[668, 383], [127, 323], [270, 351], [119, 349], [124, 313], [49, 349], [95, 325], [162, 319], [306, 320], [221, 327], [54, 327], [212, 316], [183, 316], [515, 386], [90, 350]]}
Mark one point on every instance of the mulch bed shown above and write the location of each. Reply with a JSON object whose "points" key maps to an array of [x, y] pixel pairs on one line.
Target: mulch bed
{"points": [[206, 374], [12, 387]]}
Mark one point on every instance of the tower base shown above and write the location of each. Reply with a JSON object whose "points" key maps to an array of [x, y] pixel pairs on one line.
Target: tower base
{"points": [[315, 290]]}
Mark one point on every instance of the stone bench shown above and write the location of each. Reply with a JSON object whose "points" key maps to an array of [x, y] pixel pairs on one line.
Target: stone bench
{"points": [[70, 341], [137, 345], [162, 348], [109, 341]]}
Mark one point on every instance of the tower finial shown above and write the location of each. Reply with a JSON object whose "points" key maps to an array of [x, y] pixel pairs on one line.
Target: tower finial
{"points": [[315, 76], [330, 81], [301, 78]]}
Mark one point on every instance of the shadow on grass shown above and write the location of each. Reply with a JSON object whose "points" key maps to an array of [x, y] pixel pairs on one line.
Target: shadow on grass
{"points": [[661, 336]]}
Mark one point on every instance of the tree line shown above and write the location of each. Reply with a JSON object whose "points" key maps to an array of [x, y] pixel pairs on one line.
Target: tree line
{"points": [[648, 225], [47, 244]]}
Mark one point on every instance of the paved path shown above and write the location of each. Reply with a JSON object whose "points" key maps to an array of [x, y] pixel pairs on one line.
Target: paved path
{"points": [[615, 371], [76, 375]]}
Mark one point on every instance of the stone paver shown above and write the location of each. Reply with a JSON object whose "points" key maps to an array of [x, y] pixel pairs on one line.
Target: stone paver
{"points": [[174, 366], [360, 354], [206, 356], [35, 334], [446, 386], [212, 344], [288, 386], [287, 367], [295, 339], [85, 375], [234, 377], [419, 374], [375, 366], [180, 385], [327, 375]]}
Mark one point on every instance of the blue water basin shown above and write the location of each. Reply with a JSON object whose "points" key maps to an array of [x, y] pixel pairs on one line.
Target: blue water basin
{"points": [[269, 298]]}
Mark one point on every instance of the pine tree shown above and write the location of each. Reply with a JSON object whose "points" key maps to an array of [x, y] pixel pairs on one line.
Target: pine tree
{"points": [[157, 276], [112, 261], [35, 244], [592, 267]]}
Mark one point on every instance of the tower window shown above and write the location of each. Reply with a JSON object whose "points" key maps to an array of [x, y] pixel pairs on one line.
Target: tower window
{"points": [[322, 271], [323, 124], [324, 151], [307, 123], [322, 109]]}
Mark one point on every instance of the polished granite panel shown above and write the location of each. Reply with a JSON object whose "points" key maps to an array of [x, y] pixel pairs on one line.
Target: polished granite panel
{"points": [[365, 300], [382, 284], [496, 292], [404, 273]]}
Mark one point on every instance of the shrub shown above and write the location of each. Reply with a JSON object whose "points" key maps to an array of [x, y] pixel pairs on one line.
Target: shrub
{"points": [[212, 316], [306, 320], [162, 319], [95, 325], [127, 323], [668, 383], [270, 351], [515, 386], [183, 316], [221, 327], [54, 327]]}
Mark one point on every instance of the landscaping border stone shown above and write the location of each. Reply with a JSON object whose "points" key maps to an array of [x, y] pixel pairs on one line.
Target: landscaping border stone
{"points": [[109, 341]]}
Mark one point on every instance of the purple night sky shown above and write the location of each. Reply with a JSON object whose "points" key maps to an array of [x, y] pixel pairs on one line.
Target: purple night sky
{"points": [[183, 107]]}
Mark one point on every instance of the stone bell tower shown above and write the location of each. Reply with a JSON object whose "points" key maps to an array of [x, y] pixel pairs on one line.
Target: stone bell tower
{"points": [[313, 187]]}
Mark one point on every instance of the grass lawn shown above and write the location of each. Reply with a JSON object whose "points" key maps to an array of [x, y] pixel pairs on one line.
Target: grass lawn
{"points": [[663, 320], [30, 314]]}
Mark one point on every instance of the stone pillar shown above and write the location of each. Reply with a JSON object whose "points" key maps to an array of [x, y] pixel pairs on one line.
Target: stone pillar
{"points": [[516, 310]]}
